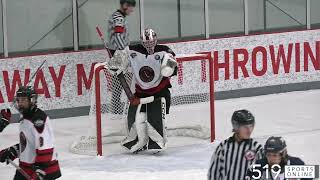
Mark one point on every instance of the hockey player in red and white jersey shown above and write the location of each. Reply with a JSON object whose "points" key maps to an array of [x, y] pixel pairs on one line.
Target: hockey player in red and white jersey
{"points": [[36, 150], [152, 66]]}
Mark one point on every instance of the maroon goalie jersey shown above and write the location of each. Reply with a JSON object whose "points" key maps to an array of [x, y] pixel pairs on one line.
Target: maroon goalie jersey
{"points": [[37, 148]]}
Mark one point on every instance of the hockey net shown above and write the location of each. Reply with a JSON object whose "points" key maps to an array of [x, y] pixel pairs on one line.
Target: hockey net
{"points": [[191, 112]]}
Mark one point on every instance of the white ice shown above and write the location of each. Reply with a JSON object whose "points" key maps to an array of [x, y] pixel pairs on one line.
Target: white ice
{"points": [[294, 115]]}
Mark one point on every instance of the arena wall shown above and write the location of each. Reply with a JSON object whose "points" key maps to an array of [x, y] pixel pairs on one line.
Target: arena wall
{"points": [[243, 66]]}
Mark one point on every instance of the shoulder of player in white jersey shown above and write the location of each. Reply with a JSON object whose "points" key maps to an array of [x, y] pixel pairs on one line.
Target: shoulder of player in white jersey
{"points": [[138, 48], [165, 48], [39, 119]]}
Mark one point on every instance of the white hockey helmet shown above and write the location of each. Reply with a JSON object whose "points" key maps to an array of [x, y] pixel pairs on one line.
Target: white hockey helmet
{"points": [[149, 40]]}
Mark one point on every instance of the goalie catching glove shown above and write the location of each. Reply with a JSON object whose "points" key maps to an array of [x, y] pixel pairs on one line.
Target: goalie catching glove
{"points": [[168, 65], [119, 62]]}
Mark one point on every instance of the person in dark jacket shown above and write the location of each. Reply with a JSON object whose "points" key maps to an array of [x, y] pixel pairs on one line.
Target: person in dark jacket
{"points": [[276, 157]]}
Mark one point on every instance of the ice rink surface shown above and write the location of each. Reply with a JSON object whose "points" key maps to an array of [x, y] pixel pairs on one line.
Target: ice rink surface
{"points": [[294, 115]]}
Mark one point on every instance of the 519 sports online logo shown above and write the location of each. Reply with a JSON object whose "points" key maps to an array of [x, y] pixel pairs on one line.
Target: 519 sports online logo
{"points": [[276, 172]]}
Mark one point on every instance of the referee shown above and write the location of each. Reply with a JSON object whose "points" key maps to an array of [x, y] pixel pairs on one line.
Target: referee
{"points": [[118, 30], [234, 155], [118, 39]]}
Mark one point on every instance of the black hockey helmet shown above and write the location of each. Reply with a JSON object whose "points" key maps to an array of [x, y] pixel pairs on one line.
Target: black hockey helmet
{"points": [[130, 2], [29, 92], [275, 145], [242, 117]]}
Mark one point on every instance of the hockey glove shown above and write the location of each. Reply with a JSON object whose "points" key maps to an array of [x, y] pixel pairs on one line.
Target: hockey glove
{"points": [[168, 65], [135, 101], [5, 118], [9, 153], [119, 62], [38, 173]]}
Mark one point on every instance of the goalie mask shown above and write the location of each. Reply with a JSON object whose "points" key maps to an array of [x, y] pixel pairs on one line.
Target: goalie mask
{"points": [[149, 40]]}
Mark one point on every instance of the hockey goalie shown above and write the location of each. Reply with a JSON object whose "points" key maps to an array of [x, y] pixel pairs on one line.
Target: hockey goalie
{"points": [[152, 66]]}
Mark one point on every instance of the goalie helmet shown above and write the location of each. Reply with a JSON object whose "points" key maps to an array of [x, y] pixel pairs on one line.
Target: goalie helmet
{"points": [[149, 40], [130, 2], [242, 117]]}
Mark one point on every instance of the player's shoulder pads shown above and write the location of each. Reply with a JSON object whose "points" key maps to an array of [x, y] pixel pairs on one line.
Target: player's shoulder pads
{"points": [[138, 48], [39, 120], [165, 48], [295, 161]]}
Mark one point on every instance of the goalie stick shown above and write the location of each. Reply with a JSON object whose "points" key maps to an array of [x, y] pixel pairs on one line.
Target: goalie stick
{"points": [[121, 77]]}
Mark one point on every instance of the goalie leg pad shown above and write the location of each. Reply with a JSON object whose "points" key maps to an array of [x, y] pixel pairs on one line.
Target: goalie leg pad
{"points": [[132, 137], [147, 128], [137, 137], [141, 127], [156, 114]]}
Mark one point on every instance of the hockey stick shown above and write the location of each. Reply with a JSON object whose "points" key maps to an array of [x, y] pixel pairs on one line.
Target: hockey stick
{"points": [[39, 68], [121, 77], [19, 169], [100, 34]]}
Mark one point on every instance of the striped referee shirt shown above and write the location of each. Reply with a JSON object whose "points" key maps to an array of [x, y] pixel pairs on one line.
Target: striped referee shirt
{"points": [[231, 159], [118, 33]]}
